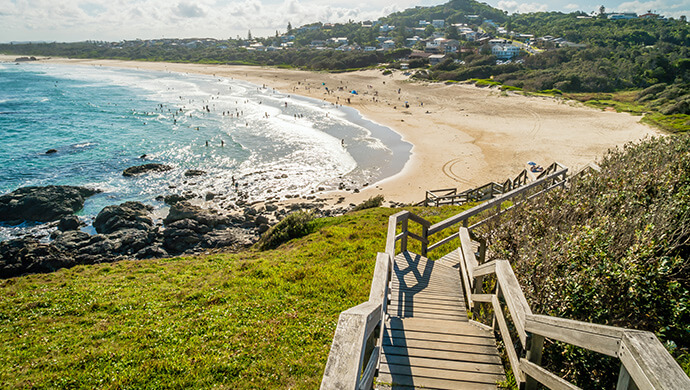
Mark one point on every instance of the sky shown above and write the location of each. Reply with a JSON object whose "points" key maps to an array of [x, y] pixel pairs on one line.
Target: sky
{"points": [[116, 20]]}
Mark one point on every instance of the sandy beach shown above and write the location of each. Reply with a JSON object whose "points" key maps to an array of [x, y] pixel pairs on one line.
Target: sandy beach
{"points": [[462, 136]]}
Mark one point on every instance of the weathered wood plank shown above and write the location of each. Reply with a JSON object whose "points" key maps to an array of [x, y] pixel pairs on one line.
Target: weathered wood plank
{"points": [[649, 364], [432, 383], [598, 338], [389, 350], [485, 269], [440, 346], [507, 340], [345, 358], [468, 254], [435, 326], [515, 298], [370, 370], [545, 377], [453, 375], [448, 338], [444, 364]]}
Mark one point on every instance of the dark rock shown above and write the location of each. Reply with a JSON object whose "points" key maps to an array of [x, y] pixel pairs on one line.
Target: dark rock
{"points": [[189, 224], [26, 255], [263, 228], [173, 198], [260, 220], [151, 252], [194, 172], [210, 196], [356, 191], [141, 169], [250, 211], [51, 151], [70, 222], [179, 240], [72, 240], [43, 204], [185, 210], [271, 207], [128, 215]]}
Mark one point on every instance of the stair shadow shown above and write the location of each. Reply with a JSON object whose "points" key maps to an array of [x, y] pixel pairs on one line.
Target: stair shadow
{"points": [[406, 293]]}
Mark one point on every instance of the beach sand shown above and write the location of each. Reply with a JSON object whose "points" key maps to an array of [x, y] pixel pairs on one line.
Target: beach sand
{"points": [[463, 136]]}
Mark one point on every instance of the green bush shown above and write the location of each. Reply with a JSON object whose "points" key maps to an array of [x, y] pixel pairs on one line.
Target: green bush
{"points": [[295, 225], [374, 201]]}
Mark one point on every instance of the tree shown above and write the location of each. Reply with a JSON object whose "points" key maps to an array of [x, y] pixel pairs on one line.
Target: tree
{"points": [[289, 28], [249, 35]]}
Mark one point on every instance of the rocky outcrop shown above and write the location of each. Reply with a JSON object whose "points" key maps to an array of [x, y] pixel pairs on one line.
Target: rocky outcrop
{"points": [[128, 215], [184, 210], [146, 168], [194, 172], [27, 255], [42, 204]]}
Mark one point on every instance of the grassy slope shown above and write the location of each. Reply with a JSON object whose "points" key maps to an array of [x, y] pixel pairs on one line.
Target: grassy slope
{"points": [[249, 320]]}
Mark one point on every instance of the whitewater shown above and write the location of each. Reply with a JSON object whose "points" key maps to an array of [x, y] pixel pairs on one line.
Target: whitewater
{"points": [[253, 142]]}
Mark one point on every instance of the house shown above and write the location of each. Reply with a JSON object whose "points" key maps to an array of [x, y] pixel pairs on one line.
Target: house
{"points": [[388, 45], [386, 28], [450, 46], [409, 42], [623, 16], [423, 23], [505, 52], [436, 59], [369, 48], [438, 23], [317, 43], [338, 41]]}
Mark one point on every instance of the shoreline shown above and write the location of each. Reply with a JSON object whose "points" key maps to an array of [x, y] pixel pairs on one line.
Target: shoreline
{"points": [[462, 136]]}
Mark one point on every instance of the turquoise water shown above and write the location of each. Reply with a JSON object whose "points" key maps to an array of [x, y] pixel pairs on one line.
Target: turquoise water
{"points": [[102, 120]]}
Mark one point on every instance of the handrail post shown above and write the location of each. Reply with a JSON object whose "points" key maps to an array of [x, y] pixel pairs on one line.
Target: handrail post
{"points": [[403, 229], [624, 380], [534, 353], [425, 235]]}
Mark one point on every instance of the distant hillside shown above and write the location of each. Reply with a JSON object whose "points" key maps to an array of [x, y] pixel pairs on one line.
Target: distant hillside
{"points": [[455, 11]]}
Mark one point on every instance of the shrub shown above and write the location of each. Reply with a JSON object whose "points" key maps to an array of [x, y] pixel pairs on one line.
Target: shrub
{"points": [[295, 225], [375, 201]]}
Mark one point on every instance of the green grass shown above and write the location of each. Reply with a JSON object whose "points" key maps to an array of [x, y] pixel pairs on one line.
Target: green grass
{"points": [[237, 321], [485, 82], [626, 101]]}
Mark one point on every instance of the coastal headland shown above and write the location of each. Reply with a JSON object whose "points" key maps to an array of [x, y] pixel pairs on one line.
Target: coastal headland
{"points": [[463, 136]]}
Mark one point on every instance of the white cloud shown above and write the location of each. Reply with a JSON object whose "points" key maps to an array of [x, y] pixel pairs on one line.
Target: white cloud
{"points": [[189, 10], [664, 7], [572, 7], [513, 6]]}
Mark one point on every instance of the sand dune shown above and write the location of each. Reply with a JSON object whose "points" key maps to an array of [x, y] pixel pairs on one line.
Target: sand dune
{"points": [[462, 136]]}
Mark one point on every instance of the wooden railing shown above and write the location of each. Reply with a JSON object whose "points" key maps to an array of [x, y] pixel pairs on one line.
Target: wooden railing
{"points": [[355, 351], [645, 363], [356, 346], [451, 196]]}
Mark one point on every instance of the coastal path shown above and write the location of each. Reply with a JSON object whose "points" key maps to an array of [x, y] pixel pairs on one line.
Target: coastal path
{"points": [[435, 324]]}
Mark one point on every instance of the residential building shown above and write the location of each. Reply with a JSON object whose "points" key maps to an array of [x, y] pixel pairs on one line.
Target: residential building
{"points": [[623, 16], [438, 23], [505, 52], [388, 45], [436, 59]]}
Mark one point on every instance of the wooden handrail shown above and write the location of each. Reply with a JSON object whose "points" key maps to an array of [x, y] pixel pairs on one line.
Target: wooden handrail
{"points": [[350, 365], [646, 364]]}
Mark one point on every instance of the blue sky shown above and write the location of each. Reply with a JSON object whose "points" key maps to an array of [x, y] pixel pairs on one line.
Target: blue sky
{"points": [[114, 20]]}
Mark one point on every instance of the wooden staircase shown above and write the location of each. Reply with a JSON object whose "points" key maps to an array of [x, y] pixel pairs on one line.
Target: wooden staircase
{"points": [[428, 341]]}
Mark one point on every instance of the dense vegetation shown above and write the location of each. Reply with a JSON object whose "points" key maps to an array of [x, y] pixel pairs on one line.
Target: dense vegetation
{"points": [[613, 250], [239, 321]]}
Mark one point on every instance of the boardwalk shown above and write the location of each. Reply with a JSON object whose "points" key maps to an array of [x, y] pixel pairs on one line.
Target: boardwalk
{"points": [[428, 342]]}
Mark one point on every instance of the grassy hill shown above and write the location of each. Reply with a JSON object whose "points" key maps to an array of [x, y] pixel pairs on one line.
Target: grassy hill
{"points": [[237, 321]]}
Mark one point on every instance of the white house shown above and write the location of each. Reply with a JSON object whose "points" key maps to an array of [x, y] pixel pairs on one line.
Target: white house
{"points": [[435, 59], [386, 28], [438, 23], [369, 48], [388, 45], [505, 52]]}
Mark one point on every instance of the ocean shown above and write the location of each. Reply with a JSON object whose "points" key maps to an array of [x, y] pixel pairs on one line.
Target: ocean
{"points": [[101, 120]]}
